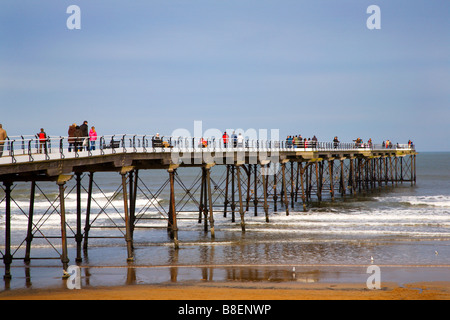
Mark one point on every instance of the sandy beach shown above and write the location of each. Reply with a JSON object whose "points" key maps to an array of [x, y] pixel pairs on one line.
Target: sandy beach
{"points": [[240, 291], [235, 283]]}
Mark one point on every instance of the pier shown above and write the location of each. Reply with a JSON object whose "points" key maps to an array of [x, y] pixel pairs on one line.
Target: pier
{"points": [[258, 177]]}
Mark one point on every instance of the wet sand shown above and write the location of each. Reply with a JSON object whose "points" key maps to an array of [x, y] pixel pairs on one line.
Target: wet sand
{"points": [[242, 291], [233, 283]]}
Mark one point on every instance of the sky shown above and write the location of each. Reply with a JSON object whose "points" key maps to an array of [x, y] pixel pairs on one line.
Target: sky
{"points": [[300, 67]]}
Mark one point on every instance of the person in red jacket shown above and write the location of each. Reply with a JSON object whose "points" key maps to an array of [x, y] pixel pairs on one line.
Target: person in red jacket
{"points": [[225, 138], [42, 140]]}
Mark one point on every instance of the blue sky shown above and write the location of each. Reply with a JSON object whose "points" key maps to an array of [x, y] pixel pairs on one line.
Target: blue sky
{"points": [[303, 67]]}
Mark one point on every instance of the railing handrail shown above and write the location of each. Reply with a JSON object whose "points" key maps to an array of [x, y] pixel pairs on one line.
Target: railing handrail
{"points": [[31, 145]]}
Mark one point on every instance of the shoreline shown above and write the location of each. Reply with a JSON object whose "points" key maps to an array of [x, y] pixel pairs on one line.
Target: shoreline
{"points": [[226, 282]]}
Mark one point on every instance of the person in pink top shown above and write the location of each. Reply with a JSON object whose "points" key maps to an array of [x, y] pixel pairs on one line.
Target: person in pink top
{"points": [[92, 137]]}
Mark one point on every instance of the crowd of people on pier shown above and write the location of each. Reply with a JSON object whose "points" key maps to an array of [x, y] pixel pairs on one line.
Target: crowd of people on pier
{"points": [[235, 141], [298, 141], [81, 138]]}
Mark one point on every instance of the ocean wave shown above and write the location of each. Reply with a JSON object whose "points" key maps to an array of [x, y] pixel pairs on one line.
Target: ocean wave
{"points": [[433, 201]]}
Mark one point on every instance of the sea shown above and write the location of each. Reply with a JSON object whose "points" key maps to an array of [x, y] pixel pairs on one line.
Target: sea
{"points": [[405, 228]]}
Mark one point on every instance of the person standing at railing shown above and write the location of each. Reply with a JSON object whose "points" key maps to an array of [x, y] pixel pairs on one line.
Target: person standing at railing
{"points": [[92, 138], [42, 140], [314, 141], [203, 143], [234, 139], [240, 141], [335, 142], [78, 139], [300, 143], [3, 136], [71, 134], [85, 134], [225, 139]]}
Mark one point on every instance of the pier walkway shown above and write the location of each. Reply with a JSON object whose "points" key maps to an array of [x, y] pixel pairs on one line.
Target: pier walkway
{"points": [[262, 174]]}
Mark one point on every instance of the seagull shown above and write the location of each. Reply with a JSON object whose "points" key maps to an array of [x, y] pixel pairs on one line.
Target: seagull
{"points": [[371, 259], [293, 272], [435, 252]]}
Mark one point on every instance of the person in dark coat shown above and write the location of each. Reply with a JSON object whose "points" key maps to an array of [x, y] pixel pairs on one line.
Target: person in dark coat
{"points": [[3, 137], [71, 139], [78, 138], [85, 134]]}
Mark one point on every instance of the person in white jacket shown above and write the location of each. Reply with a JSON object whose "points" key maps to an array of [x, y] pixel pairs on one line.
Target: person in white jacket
{"points": [[240, 141]]}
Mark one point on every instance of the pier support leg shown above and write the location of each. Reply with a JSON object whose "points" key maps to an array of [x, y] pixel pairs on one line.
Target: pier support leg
{"points": [[87, 225], [308, 182], [275, 197], [292, 185], [225, 204], [233, 190], [401, 170], [249, 174], [133, 189], [204, 200], [330, 171], [255, 193], [296, 181], [342, 181], [358, 175], [200, 205], [241, 206], [386, 171], [351, 176], [396, 166], [78, 235], [285, 196], [172, 227], [128, 235], [302, 171], [264, 180], [392, 170], [30, 224], [211, 215], [380, 172], [7, 257], [318, 183], [62, 179]]}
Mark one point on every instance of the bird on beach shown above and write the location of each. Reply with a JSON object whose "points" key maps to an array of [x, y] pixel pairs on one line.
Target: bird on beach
{"points": [[435, 252], [371, 259]]}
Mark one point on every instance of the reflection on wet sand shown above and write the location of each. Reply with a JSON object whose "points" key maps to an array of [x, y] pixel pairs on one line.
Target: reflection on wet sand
{"points": [[104, 276], [132, 275]]}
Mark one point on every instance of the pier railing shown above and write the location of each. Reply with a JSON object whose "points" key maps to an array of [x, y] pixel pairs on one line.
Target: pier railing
{"points": [[29, 148]]}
